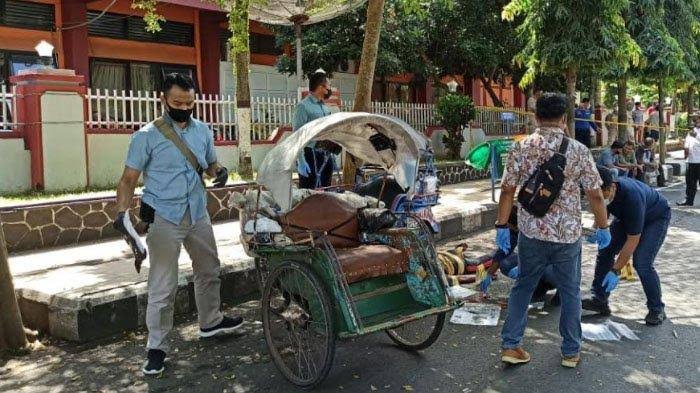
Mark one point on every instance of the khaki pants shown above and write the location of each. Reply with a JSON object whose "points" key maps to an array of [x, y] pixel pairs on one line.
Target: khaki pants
{"points": [[164, 243]]}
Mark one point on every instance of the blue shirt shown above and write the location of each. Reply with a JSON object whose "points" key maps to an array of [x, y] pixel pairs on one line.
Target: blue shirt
{"points": [[171, 184], [309, 109], [636, 204], [581, 113]]}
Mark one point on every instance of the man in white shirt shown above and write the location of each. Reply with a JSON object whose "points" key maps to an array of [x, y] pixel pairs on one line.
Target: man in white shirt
{"points": [[692, 174]]}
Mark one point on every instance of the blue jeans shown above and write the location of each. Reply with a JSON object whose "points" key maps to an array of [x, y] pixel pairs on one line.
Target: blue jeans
{"points": [[544, 285], [564, 260], [653, 236]]}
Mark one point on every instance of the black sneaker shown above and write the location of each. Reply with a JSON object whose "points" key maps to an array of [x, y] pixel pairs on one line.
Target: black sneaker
{"points": [[156, 362], [596, 305], [683, 203], [228, 325], [655, 318]]}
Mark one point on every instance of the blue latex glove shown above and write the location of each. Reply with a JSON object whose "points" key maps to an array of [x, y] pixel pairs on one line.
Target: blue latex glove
{"points": [[303, 167], [603, 237], [503, 239], [484, 285], [610, 281], [513, 273]]}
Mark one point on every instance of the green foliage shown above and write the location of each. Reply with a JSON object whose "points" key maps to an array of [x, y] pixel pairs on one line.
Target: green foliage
{"points": [[567, 35], [400, 42], [151, 16], [469, 37], [454, 112]]}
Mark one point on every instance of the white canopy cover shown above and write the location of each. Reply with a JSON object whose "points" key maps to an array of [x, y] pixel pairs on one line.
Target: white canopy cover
{"points": [[352, 131]]}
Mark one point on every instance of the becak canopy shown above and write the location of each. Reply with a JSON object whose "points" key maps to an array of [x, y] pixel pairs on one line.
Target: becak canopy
{"points": [[398, 151]]}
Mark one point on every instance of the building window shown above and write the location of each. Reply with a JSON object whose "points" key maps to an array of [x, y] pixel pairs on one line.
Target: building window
{"points": [[259, 44], [136, 76], [27, 15], [11, 63], [133, 28]]}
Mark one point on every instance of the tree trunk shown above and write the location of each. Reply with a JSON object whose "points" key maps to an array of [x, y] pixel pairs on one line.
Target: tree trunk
{"points": [[368, 59], [571, 97], [11, 329], [689, 107], [489, 89], [591, 92], [622, 109], [662, 124], [385, 88], [238, 23], [365, 74], [598, 93]]}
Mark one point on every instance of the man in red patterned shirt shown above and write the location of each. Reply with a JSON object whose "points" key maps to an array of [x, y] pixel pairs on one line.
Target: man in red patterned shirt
{"points": [[553, 241]]}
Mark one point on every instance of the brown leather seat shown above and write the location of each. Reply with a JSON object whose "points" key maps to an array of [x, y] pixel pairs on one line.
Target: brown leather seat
{"points": [[323, 212], [369, 261], [326, 213]]}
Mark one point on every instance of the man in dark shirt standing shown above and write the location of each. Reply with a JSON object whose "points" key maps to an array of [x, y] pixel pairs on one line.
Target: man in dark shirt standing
{"points": [[584, 123], [641, 219]]}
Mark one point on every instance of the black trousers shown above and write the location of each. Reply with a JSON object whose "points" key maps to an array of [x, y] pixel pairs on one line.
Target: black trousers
{"points": [[692, 177], [315, 158], [584, 136]]}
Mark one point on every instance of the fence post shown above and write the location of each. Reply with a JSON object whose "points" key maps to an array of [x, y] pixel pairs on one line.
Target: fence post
{"points": [[51, 113]]}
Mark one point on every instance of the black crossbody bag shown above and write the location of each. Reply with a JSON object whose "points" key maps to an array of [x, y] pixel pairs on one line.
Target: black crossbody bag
{"points": [[543, 187], [147, 213]]}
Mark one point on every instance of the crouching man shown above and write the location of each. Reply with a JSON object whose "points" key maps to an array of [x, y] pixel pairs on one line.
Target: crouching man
{"points": [[172, 153]]}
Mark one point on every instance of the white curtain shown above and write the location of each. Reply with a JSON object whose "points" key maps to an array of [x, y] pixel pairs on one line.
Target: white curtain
{"points": [[110, 76]]}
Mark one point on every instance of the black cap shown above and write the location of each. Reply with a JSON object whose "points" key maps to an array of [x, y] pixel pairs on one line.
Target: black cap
{"points": [[617, 145]]}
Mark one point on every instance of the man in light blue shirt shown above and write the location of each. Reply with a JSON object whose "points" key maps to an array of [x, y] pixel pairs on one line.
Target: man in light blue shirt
{"points": [[174, 204], [315, 165]]}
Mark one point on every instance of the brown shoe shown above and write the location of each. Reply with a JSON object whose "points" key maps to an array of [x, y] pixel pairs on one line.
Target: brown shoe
{"points": [[570, 361], [515, 356]]}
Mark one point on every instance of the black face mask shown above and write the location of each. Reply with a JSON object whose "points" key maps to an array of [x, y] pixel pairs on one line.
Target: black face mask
{"points": [[328, 94], [179, 115]]}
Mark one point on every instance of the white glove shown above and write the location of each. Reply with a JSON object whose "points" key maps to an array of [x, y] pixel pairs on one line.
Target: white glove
{"points": [[124, 226]]}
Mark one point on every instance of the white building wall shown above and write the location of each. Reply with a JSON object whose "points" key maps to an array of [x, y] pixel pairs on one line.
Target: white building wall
{"points": [[267, 81]]}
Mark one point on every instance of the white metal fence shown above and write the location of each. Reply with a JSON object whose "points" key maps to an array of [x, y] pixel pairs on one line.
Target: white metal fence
{"points": [[129, 110], [501, 121], [7, 108], [111, 109]]}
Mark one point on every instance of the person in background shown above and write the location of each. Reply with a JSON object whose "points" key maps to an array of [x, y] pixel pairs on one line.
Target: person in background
{"points": [[652, 123], [507, 262], [532, 106], [554, 240], [315, 165], [642, 216], [609, 157], [646, 156], [650, 107], [175, 195], [638, 121], [584, 123], [628, 161], [692, 156]]}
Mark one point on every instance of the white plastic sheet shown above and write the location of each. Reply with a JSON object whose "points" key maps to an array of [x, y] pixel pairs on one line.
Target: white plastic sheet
{"points": [[459, 292], [477, 314], [607, 331]]}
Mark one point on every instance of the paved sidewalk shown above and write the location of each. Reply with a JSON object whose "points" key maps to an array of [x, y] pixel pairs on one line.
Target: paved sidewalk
{"points": [[89, 291]]}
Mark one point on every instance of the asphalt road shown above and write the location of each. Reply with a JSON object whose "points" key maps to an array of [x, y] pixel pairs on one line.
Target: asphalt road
{"points": [[464, 359]]}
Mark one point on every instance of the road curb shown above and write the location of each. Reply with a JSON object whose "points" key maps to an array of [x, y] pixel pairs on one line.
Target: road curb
{"points": [[90, 316]]}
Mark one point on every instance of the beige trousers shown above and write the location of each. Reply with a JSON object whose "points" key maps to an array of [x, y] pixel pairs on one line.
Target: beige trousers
{"points": [[164, 243]]}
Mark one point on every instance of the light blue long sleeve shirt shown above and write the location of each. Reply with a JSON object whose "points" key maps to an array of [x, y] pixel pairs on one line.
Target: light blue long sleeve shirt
{"points": [[171, 184], [309, 109]]}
